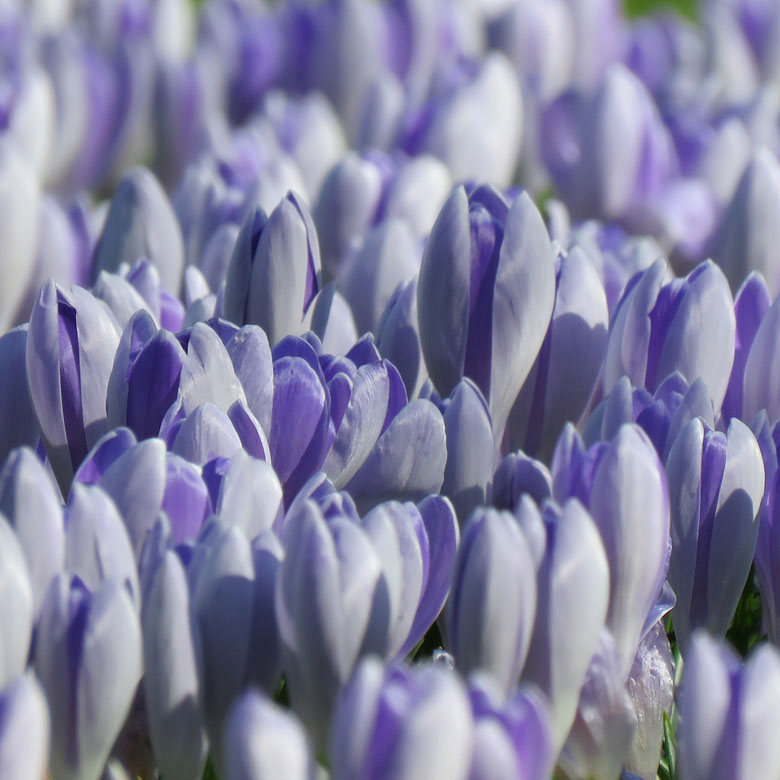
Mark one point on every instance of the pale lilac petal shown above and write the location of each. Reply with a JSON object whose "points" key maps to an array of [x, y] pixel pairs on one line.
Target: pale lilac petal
{"points": [[30, 501], [407, 462]]}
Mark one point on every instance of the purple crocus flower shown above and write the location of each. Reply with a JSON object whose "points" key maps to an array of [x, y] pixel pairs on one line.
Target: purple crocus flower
{"points": [[768, 541], [751, 304], [88, 658], [234, 585], [512, 738], [567, 368], [728, 711], [397, 337], [747, 234], [274, 273], [248, 494], [264, 742], [661, 416], [401, 557], [24, 729], [468, 473], [716, 482], [18, 424], [361, 191], [30, 501], [406, 722], [609, 151], [349, 416], [475, 126], [143, 480], [70, 350], [516, 475], [485, 295], [604, 726], [651, 688], [389, 256], [97, 544], [172, 688], [140, 225], [485, 629], [684, 325], [20, 197], [759, 383], [623, 484], [572, 583], [18, 608]]}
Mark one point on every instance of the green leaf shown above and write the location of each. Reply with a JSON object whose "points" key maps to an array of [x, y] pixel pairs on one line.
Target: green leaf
{"points": [[686, 8]]}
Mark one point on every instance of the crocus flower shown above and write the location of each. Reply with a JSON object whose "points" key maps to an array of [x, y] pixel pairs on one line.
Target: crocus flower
{"points": [[143, 479], [24, 729], [468, 473], [233, 593], [759, 384], [361, 191], [400, 555], [407, 722], [70, 350], [651, 688], [141, 225], [310, 131], [389, 255], [397, 337], [516, 475], [20, 196], [485, 295], [565, 372], [484, 628], [748, 232], [30, 501], [97, 545], [716, 482], [248, 494], [572, 583], [475, 127], [767, 541], [623, 484], [727, 713], [172, 689], [17, 605], [512, 738], [349, 416], [661, 416], [18, 424], [609, 151], [263, 742], [88, 658], [274, 271], [605, 723], [750, 306], [684, 325]]}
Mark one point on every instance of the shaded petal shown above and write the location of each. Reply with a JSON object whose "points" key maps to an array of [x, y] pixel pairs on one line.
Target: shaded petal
{"points": [[30, 501], [171, 685], [96, 542], [408, 460], [24, 730], [205, 434], [522, 305], [251, 356], [18, 423], [443, 292], [17, 606], [264, 742], [469, 469]]}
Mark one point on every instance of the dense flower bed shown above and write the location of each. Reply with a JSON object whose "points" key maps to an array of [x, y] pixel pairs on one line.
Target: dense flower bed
{"points": [[389, 390]]}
